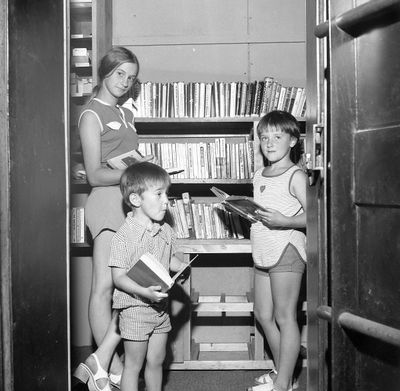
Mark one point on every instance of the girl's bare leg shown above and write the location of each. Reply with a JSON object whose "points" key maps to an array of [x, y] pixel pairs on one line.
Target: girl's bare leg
{"points": [[264, 313], [285, 288]]}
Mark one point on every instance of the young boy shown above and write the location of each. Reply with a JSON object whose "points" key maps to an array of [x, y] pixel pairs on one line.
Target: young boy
{"points": [[143, 318]]}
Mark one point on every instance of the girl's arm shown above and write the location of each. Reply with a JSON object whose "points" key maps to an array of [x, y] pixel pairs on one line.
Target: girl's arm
{"points": [[125, 284], [275, 219], [298, 187], [89, 130]]}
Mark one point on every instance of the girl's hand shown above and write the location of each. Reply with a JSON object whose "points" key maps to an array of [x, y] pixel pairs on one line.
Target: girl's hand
{"points": [[272, 218], [153, 294], [148, 158]]}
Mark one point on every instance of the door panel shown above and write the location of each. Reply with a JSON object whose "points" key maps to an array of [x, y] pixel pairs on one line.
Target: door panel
{"points": [[377, 156], [378, 81], [37, 210], [365, 194]]}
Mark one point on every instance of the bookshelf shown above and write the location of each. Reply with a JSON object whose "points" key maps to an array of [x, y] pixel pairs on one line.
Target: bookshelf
{"points": [[218, 330], [213, 324]]}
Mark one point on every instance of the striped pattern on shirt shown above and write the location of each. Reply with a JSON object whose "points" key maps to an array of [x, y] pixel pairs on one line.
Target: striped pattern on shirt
{"points": [[274, 192], [129, 243]]}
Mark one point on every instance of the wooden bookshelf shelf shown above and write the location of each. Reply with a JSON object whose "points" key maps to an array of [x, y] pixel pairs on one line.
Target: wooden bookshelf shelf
{"points": [[222, 356], [149, 120], [221, 303], [197, 246], [196, 120]]}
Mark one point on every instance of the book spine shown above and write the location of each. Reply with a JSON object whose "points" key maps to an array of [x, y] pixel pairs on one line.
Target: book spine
{"points": [[223, 157], [249, 98], [272, 96], [276, 99], [242, 106], [208, 103], [196, 222], [183, 218], [266, 96], [281, 100], [188, 212], [202, 97], [216, 99], [232, 100]]}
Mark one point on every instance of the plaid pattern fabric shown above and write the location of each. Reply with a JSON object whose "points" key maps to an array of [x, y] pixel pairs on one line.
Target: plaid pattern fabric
{"points": [[139, 323], [129, 243]]}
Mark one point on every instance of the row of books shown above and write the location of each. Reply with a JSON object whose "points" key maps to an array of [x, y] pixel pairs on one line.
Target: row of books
{"points": [[217, 158], [78, 226], [80, 86], [81, 57], [217, 99], [190, 219], [202, 220]]}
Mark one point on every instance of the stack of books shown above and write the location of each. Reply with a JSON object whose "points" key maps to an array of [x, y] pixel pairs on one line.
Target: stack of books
{"points": [[204, 220], [81, 57], [78, 226]]}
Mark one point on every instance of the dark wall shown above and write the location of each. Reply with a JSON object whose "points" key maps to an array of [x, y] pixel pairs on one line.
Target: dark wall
{"points": [[38, 195]]}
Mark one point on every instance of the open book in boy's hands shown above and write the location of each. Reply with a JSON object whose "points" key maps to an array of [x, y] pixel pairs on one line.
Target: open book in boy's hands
{"points": [[126, 159], [241, 205], [148, 271]]}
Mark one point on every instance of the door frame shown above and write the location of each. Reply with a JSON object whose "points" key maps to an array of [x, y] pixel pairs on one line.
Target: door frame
{"points": [[34, 196], [5, 237]]}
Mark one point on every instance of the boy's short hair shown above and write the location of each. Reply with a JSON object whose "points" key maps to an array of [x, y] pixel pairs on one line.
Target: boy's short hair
{"points": [[139, 176]]}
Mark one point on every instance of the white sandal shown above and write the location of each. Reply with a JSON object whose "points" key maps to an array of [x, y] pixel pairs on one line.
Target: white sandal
{"points": [[266, 377], [115, 380], [85, 374]]}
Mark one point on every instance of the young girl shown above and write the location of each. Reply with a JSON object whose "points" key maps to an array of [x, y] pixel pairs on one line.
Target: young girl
{"points": [[106, 130], [278, 245]]}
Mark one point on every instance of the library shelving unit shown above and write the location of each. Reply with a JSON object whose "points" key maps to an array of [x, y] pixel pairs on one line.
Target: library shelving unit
{"points": [[212, 311], [90, 38], [89, 29]]}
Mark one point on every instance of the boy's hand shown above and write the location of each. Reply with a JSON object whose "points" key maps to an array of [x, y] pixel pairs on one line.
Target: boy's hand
{"points": [[153, 294]]}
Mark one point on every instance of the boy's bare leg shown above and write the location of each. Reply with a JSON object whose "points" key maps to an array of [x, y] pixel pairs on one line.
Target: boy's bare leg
{"points": [[135, 353], [155, 358]]}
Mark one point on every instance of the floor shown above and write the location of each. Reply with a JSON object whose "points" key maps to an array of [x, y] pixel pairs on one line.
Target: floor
{"points": [[235, 380]]}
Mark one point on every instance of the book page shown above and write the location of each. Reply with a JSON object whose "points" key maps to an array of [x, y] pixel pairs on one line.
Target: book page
{"points": [[156, 266]]}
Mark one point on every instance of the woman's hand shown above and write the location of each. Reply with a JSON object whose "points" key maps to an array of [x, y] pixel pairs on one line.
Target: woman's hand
{"points": [[272, 218]]}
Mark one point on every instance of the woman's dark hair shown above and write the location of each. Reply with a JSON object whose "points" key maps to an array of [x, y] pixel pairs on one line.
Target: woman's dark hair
{"points": [[282, 121], [111, 60]]}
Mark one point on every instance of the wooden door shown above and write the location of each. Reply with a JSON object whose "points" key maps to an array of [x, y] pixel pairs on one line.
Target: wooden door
{"points": [[33, 197], [364, 195]]}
